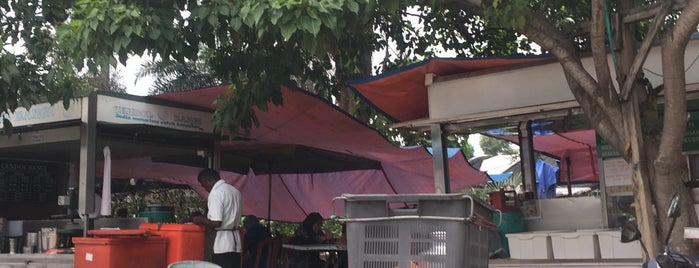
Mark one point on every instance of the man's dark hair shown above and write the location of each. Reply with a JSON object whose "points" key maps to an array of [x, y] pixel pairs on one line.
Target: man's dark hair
{"points": [[208, 173]]}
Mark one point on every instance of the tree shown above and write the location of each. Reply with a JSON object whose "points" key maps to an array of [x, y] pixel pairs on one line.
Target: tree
{"points": [[108, 81], [32, 68], [172, 76], [258, 45], [493, 146], [617, 113]]}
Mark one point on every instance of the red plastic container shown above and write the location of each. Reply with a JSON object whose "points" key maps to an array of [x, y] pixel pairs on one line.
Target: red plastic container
{"points": [[185, 241], [504, 200], [120, 250]]}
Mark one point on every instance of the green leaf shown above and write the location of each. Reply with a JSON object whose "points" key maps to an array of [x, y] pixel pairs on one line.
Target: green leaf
{"points": [[138, 30], [288, 30], [330, 22], [245, 10], [154, 34], [257, 15], [93, 24], [224, 10], [93, 13], [113, 27], [391, 6], [521, 22], [127, 31], [315, 27], [353, 7], [274, 17], [213, 21]]}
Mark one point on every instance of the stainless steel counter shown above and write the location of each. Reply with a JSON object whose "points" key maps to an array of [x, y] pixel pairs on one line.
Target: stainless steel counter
{"points": [[36, 260]]}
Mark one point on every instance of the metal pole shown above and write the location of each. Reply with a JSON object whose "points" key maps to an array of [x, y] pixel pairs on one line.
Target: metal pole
{"points": [[88, 134], [526, 147], [441, 160]]}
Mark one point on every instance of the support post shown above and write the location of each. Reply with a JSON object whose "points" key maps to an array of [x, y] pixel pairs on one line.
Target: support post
{"points": [[441, 160], [526, 151], [643, 201], [88, 134]]}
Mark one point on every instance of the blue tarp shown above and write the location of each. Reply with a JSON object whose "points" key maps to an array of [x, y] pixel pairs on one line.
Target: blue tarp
{"points": [[546, 175]]}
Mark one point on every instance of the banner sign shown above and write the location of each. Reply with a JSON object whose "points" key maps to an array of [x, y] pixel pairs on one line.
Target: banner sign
{"points": [[44, 113], [124, 111]]}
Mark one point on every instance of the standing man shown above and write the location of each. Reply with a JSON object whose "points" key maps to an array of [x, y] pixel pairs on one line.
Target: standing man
{"points": [[225, 205]]}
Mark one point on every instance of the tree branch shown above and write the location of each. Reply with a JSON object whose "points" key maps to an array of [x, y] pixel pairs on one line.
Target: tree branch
{"points": [[599, 51], [548, 37], [643, 51]]}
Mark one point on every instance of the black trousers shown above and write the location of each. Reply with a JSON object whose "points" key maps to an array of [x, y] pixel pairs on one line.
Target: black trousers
{"points": [[227, 260]]}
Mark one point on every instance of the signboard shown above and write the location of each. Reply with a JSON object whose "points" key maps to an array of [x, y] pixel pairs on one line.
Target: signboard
{"points": [[27, 182], [690, 144], [617, 172], [691, 135], [44, 113], [124, 111]]}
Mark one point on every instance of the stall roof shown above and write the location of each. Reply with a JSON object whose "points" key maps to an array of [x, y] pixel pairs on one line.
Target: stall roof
{"points": [[401, 95], [308, 120]]}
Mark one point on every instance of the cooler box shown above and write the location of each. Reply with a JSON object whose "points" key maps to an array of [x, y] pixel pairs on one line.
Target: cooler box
{"points": [[581, 244], [530, 245], [185, 241], [508, 222], [120, 249], [611, 247], [417, 230]]}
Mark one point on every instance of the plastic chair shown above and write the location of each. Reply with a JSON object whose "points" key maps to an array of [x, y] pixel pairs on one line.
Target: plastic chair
{"points": [[193, 264], [273, 246]]}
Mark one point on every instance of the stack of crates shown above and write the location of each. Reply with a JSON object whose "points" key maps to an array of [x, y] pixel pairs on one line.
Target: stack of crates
{"points": [[417, 230]]}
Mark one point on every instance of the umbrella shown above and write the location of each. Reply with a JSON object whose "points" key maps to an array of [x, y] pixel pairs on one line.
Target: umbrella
{"points": [[269, 159]]}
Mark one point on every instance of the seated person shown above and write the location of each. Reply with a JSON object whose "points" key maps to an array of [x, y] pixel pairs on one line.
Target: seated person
{"points": [[309, 232], [254, 233]]}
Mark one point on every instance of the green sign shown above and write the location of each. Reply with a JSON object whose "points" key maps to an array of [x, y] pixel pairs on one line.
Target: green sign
{"points": [[691, 139], [691, 135]]}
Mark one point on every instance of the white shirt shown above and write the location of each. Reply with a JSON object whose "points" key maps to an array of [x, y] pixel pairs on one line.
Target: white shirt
{"points": [[225, 205]]}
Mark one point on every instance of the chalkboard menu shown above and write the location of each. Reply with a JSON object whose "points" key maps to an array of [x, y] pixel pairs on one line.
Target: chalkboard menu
{"points": [[27, 182]]}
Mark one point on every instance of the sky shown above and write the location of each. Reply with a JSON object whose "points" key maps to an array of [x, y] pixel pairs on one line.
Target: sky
{"points": [[128, 77]]}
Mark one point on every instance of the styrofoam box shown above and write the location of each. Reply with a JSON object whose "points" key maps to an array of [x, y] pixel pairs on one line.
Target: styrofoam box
{"points": [[530, 245], [611, 247], [580, 244]]}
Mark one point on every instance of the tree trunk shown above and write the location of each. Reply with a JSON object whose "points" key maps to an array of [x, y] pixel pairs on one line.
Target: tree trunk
{"points": [[670, 168]]}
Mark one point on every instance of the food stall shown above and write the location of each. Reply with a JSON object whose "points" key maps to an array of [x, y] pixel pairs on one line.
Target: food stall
{"points": [[52, 162], [464, 96]]}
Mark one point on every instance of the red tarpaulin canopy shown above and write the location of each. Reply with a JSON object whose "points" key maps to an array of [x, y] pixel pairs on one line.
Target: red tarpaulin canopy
{"points": [[578, 146], [306, 120]]}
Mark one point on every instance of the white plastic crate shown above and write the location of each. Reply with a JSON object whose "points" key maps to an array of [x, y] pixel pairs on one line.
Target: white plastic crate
{"points": [[580, 244], [432, 230], [611, 247], [530, 245]]}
